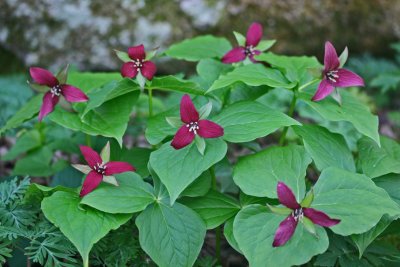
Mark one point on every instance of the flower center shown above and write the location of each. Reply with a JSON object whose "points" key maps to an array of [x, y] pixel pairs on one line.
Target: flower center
{"points": [[193, 127], [332, 75], [100, 168], [298, 214], [138, 63], [249, 50], [56, 90]]}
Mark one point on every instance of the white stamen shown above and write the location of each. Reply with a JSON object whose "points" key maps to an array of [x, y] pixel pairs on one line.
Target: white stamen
{"points": [[100, 168], [55, 90], [332, 75], [193, 127]]}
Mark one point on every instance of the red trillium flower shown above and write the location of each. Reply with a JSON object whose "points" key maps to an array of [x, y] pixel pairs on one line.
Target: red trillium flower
{"points": [[288, 226], [193, 125], [334, 76], [253, 38], [138, 63], [99, 169], [50, 99]]}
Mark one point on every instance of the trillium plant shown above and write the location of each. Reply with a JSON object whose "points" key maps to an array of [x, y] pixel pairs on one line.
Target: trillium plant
{"points": [[251, 147]]}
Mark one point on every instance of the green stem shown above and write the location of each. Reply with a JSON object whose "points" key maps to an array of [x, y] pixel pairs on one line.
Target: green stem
{"points": [[290, 114], [150, 102], [218, 229], [86, 262], [88, 140], [309, 83]]}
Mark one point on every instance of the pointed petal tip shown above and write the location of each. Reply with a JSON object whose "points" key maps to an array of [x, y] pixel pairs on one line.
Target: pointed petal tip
{"points": [[188, 111], [254, 34], [43, 77], [286, 196], [137, 52]]}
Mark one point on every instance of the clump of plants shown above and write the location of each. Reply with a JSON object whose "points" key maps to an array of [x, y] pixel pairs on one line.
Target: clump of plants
{"points": [[265, 151]]}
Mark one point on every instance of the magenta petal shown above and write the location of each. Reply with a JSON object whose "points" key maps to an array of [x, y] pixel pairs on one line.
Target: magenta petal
{"points": [[49, 101], [235, 55], [285, 231], [254, 34], [114, 167], [256, 52], [182, 138], [331, 60], [188, 111], [43, 77], [148, 70], [348, 78], [137, 52], [319, 217], [129, 70], [93, 179], [91, 156], [286, 196], [209, 129], [324, 89], [73, 94]]}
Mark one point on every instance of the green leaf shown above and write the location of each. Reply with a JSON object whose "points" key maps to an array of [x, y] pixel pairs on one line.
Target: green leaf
{"points": [[123, 56], [240, 39], [37, 192], [205, 111], [105, 153], [132, 195], [246, 121], [252, 75], [158, 128], [137, 157], [109, 120], [228, 233], [309, 226], [38, 163], [265, 45], [109, 91], [363, 240], [87, 81], [294, 68], [27, 112], [198, 48], [351, 110], [306, 202], [82, 227], [280, 210], [214, 208], [199, 187], [352, 198], [377, 161], [209, 70], [258, 174], [254, 229], [179, 168], [391, 183], [26, 142], [326, 148], [171, 235], [172, 83], [175, 122]]}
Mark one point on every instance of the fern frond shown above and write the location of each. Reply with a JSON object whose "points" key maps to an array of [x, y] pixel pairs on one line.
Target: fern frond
{"points": [[52, 251], [11, 191], [16, 215], [5, 250]]}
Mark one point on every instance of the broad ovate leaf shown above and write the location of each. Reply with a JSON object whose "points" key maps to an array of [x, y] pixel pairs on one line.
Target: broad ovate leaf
{"points": [[254, 229], [171, 235], [326, 148], [132, 195], [351, 110], [177, 169], [248, 120], [198, 48], [258, 174], [83, 227], [376, 161], [252, 75], [354, 199], [214, 207]]}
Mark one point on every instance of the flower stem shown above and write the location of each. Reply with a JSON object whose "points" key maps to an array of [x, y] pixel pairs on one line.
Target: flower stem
{"points": [[218, 229], [150, 102], [86, 262], [308, 84], [88, 140], [282, 139]]}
